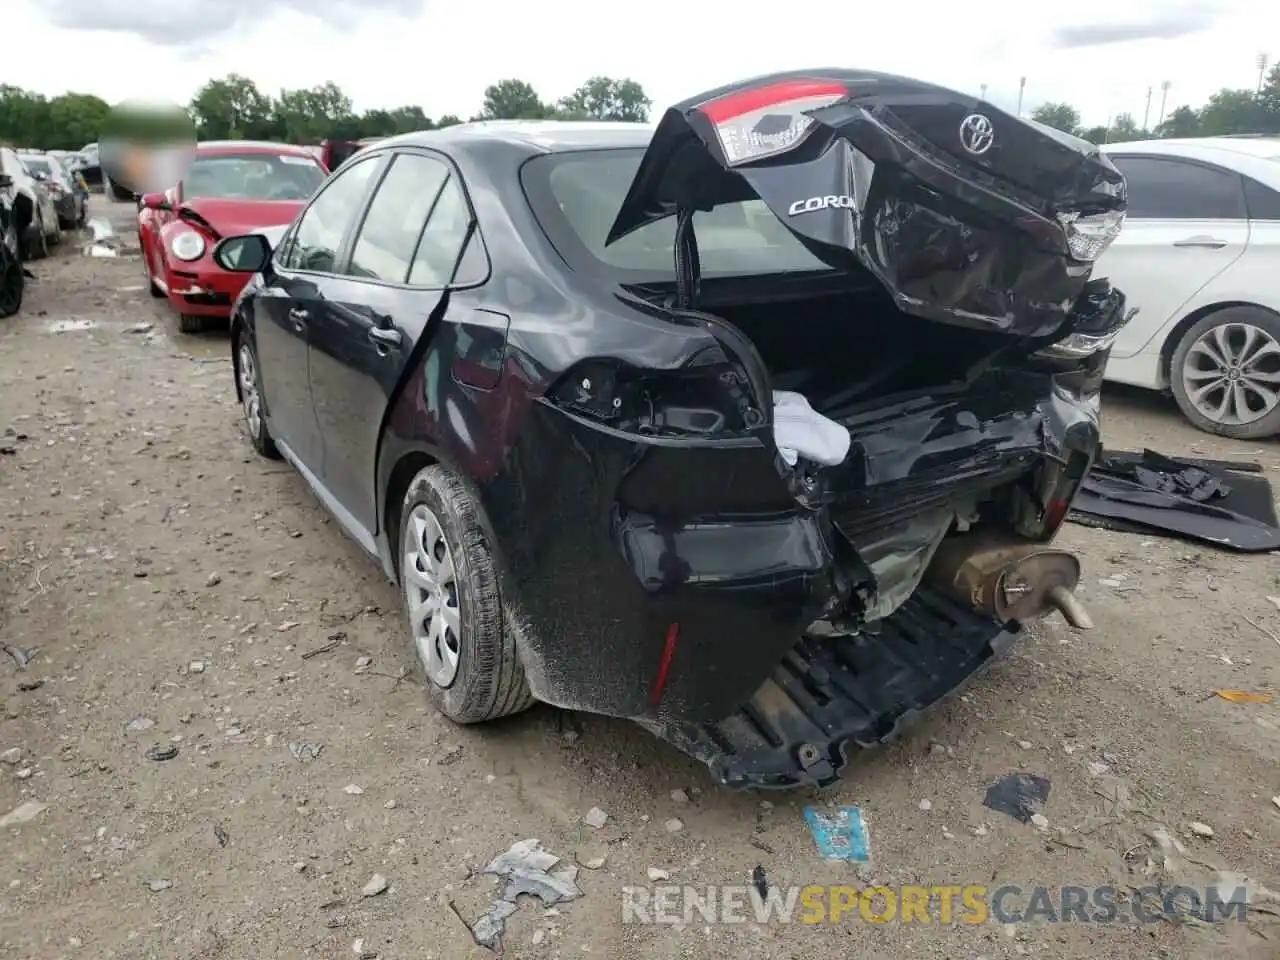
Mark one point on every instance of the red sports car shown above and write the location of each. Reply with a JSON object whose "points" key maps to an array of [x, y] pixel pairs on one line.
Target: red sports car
{"points": [[232, 187]]}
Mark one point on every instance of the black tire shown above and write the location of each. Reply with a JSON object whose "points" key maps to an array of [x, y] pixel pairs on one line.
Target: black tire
{"points": [[1266, 321], [12, 284], [38, 245], [490, 680], [259, 435], [192, 323]]}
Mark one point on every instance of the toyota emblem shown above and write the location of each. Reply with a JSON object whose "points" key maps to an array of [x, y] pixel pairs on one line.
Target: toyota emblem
{"points": [[977, 134]]}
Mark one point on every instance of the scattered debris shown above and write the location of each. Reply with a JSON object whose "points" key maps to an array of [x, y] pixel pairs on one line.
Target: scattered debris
{"points": [[139, 328], [305, 751], [526, 868], [195, 666], [657, 876], [451, 755], [23, 813], [596, 818], [1274, 601], [24, 774], [674, 825], [213, 580], [359, 949], [1018, 795], [289, 625], [1040, 821], [12, 756], [21, 655], [1200, 829], [679, 796], [138, 724], [595, 863], [162, 752], [156, 886], [26, 686], [926, 804], [354, 789], [1243, 696], [839, 835], [377, 884], [1097, 768], [220, 833], [760, 881], [362, 662], [1024, 744], [334, 642]]}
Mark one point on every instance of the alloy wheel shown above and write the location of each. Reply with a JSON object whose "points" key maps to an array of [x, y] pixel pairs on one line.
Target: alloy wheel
{"points": [[1232, 373], [249, 391], [431, 589]]}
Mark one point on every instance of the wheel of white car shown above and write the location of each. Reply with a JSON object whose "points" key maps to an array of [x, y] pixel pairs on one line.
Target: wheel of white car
{"points": [[466, 648], [39, 246], [1225, 373]]}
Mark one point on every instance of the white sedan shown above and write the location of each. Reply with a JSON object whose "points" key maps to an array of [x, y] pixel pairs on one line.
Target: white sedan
{"points": [[1199, 257]]}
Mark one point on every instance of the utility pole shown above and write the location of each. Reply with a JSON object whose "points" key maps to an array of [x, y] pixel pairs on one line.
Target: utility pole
{"points": [[1146, 114], [1022, 86], [983, 92], [1164, 97], [1262, 70]]}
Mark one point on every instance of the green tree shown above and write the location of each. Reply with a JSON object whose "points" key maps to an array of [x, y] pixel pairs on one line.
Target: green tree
{"points": [[1124, 128], [1182, 122], [315, 114], [1099, 134], [604, 98], [1269, 102], [512, 100], [232, 108], [1060, 116], [448, 120], [1231, 111]]}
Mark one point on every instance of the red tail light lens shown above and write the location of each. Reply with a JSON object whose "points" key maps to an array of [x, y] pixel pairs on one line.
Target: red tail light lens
{"points": [[766, 121]]}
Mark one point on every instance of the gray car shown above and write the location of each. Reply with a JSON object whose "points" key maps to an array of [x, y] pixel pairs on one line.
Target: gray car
{"points": [[33, 206], [58, 182]]}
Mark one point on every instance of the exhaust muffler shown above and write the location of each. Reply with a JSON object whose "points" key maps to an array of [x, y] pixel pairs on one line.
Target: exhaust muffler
{"points": [[1008, 578]]}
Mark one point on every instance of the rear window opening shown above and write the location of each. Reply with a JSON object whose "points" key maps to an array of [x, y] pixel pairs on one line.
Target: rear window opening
{"points": [[833, 335]]}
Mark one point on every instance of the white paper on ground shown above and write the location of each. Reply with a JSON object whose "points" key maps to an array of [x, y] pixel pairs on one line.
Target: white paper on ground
{"points": [[799, 430]]}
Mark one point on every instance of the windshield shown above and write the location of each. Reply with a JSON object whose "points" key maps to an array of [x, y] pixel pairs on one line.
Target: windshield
{"points": [[576, 197], [252, 176], [38, 165]]}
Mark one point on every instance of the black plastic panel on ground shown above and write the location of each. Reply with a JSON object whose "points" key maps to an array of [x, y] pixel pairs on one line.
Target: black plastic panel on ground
{"points": [[829, 695]]}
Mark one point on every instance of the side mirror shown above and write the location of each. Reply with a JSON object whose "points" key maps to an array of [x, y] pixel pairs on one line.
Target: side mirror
{"points": [[155, 201], [244, 254]]}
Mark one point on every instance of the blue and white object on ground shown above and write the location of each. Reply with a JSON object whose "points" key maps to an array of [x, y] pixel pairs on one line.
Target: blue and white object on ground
{"points": [[839, 833]]}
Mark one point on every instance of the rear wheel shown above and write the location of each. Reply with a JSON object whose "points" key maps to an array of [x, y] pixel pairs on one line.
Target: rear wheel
{"points": [[473, 669], [251, 400], [1225, 373]]}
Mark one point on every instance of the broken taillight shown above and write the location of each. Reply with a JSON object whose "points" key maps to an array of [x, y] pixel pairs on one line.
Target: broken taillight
{"points": [[769, 120], [1088, 235], [696, 401]]}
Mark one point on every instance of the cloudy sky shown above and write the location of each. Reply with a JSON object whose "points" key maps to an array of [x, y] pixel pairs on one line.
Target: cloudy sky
{"points": [[441, 55]]}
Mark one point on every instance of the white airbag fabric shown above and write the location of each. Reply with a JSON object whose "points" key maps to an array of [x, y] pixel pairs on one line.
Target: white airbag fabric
{"points": [[800, 431]]}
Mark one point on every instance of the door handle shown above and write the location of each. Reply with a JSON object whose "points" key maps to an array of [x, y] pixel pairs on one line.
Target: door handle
{"points": [[385, 336], [1206, 243], [299, 317]]}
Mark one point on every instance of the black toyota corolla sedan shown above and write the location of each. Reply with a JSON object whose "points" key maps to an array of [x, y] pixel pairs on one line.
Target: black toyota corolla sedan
{"points": [[754, 426]]}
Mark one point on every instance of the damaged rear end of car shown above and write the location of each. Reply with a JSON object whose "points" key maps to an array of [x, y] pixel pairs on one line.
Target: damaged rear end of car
{"points": [[825, 496]]}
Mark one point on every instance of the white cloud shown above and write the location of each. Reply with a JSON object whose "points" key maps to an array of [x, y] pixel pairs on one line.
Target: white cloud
{"points": [[443, 56]]}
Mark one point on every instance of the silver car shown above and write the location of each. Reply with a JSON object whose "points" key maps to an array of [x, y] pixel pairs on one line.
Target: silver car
{"points": [[33, 206], [61, 185]]}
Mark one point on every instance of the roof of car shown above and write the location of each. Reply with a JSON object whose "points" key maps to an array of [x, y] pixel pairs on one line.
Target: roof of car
{"points": [[214, 147], [544, 136]]}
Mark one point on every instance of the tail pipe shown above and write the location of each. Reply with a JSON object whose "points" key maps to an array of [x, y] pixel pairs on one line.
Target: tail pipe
{"points": [[1009, 578]]}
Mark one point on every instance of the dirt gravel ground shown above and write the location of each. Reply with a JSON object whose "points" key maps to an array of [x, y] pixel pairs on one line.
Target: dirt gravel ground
{"points": [[175, 588]]}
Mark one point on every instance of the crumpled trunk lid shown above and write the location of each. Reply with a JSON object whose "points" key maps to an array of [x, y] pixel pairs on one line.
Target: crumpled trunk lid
{"points": [[965, 214]]}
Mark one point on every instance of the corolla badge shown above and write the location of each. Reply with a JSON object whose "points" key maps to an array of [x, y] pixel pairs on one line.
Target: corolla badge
{"points": [[820, 203], [977, 134]]}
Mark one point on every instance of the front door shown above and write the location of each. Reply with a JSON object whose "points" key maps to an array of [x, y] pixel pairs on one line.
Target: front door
{"points": [[1186, 224], [392, 287], [292, 302]]}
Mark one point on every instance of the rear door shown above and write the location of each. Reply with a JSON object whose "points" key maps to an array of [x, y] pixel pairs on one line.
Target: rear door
{"points": [[1186, 224], [392, 291]]}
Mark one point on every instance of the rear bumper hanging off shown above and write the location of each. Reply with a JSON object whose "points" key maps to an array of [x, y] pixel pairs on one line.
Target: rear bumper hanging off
{"points": [[827, 696]]}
